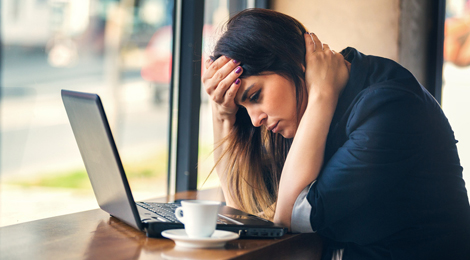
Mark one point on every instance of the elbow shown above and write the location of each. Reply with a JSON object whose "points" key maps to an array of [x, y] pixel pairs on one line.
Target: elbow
{"points": [[284, 220]]}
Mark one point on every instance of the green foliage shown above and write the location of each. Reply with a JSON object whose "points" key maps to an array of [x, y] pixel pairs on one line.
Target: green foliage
{"points": [[77, 179], [146, 169], [139, 172]]}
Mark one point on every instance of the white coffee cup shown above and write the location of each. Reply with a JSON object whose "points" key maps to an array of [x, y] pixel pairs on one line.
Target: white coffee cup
{"points": [[198, 216]]}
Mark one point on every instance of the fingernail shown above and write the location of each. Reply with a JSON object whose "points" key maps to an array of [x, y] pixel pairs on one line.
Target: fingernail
{"points": [[235, 61], [237, 81], [238, 69]]}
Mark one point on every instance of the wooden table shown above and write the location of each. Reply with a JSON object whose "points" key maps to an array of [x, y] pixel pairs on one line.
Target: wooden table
{"points": [[95, 235]]}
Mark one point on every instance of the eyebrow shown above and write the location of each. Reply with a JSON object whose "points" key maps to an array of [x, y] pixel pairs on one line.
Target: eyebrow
{"points": [[245, 93]]}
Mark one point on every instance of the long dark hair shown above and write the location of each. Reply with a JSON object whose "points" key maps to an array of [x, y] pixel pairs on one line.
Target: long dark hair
{"points": [[263, 41]]}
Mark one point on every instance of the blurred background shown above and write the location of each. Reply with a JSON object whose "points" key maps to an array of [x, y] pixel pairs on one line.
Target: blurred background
{"points": [[121, 49]]}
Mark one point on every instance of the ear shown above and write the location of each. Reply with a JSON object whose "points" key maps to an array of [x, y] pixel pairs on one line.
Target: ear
{"points": [[303, 68]]}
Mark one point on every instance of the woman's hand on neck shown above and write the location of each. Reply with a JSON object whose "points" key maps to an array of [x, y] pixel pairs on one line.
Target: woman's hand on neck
{"points": [[326, 72]]}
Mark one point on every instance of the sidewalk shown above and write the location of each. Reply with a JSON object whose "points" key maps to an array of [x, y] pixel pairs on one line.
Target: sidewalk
{"points": [[18, 204]]}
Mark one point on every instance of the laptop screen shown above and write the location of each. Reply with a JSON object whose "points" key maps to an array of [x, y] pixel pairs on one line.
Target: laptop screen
{"points": [[99, 153]]}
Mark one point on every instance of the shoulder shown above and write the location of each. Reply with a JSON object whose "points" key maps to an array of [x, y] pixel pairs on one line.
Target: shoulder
{"points": [[377, 84], [390, 102]]}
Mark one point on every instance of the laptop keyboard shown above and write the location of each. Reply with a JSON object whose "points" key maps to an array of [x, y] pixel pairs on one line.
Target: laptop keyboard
{"points": [[166, 211]]}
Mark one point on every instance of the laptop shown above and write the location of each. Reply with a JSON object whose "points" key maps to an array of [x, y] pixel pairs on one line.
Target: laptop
{"points": [[111, 187]]}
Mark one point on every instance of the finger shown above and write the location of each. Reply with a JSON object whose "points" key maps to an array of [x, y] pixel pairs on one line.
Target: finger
{"points": [[231, 93], [326, 47], [208, 62], [314, 44], [220, 90], [317, 41], [214, 67], [222, 87], [225, 70], [309, 43], [213, 77]]}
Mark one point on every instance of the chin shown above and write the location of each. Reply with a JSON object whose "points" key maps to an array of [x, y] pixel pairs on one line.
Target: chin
{"points": [[287, 134]]}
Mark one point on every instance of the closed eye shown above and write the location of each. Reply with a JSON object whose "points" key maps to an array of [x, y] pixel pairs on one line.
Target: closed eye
{"points": [[255, 96]]}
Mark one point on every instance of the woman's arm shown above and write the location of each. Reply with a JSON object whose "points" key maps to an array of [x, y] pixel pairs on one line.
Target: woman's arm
{"points": [[325, 77], [221, 83]]}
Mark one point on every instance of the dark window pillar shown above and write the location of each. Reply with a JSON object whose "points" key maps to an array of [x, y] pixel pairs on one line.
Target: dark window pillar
{"points": [[421, 41], [185, 95]]}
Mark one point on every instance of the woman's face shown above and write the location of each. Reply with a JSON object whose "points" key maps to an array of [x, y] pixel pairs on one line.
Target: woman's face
{"points": [[270, 101]]}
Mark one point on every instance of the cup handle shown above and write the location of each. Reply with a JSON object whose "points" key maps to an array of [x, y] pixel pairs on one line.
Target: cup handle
{"points": [[179, 214]]}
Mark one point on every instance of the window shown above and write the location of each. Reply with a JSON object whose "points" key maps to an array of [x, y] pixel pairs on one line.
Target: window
{"points": [[105, 47], [216, 14], [456, 77], [121, 50]]}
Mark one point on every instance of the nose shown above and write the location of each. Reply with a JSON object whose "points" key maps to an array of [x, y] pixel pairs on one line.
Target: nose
{"points": [[258, 118]]}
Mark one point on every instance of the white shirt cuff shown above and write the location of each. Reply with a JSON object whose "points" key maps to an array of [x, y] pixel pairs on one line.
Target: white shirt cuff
{"points": [[300, 219]]}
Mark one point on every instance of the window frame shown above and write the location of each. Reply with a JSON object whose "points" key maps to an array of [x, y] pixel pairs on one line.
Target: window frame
{"points": [[185, 89]]}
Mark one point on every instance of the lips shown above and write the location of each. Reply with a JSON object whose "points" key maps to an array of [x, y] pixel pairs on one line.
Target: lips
{"points": [[273, 127]]}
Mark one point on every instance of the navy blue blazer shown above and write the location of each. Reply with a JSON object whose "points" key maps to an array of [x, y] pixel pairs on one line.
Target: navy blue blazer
{"points": [[391, 186]]}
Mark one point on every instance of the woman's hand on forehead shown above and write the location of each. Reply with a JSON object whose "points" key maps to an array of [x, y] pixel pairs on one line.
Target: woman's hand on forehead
{"points": [[221, 81]]}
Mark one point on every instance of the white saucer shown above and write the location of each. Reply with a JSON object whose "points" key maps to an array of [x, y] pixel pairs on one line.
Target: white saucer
{"points": [[218, 239]]}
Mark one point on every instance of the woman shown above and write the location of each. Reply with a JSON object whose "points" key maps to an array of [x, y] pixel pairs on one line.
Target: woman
{"points": [[344, 144]]}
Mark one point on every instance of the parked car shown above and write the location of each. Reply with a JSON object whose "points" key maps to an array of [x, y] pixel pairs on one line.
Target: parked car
{"points": [[457, 40], [158, 59]]}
